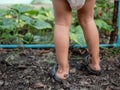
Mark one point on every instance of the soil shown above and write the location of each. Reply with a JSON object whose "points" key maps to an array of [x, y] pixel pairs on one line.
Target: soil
{"points": [[28, 69]]}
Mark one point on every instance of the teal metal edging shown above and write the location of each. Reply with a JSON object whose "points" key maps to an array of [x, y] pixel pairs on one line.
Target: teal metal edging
{"points": [[101, 45], [28, 46], [118, 40], [45, 46]]}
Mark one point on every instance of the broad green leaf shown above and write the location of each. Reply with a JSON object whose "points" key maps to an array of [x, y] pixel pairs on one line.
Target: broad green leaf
{"points": [[42, 25], [26, 19], [101, 24], [28, 37], [7, 36], [41, 17], [22, 8], [2, 12], [8, 24], [46, 14], [76, 35], [74, 38], [36, 39], [42, 39]]}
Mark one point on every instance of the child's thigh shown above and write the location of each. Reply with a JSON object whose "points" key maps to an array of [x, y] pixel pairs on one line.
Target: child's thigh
{"points": [[87, 11], [62, 11]]}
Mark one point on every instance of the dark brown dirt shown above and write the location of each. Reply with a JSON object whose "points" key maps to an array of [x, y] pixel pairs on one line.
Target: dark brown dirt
{"points": [[27, 69]]}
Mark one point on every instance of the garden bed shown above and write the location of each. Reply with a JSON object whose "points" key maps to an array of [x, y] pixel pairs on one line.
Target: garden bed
{"points": [[27, 69], [24, 24]]}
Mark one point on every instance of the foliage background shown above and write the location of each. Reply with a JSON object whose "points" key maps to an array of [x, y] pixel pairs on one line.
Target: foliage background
{"points": [[23, 24]]}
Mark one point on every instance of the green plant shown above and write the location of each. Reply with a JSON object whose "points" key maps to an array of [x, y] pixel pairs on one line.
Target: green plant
{"points": [[76, 35], [103, 13], [102, 25], [19, 20]]}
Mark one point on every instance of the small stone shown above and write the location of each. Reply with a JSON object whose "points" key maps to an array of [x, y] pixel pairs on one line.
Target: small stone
{"points": [[1, 82], [22, 67], [83, 89], [30, 88], [0, 73], [73, 70], [6, 83], [39, 85], [84, 83], [32, 57], [66, 85], [61, 89], [26, 71], [22, 53]]}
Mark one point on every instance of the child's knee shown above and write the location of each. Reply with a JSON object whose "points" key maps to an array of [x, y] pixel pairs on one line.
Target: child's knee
{"points": [[64, 22], [85, 20]]}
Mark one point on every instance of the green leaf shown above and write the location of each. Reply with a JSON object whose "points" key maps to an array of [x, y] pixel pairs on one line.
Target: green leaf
{"points": [[18, 40], [46, 14], [42, 25], [33, 12], [22, 8], [7, 36], [101, 24], [41, 17], [2, 12], [74, 38], [8, 24], [36, 39], [28, 37], [76, 35], [26, 19]]}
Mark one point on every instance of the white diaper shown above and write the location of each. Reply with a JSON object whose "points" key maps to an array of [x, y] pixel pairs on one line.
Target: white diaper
{"points": [[76, 4]]}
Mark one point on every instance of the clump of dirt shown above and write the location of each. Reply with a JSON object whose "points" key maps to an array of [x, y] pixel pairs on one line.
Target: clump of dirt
{"points": [[28, 69]]}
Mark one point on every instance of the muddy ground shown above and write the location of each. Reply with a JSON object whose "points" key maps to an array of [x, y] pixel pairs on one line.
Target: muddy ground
{"points": [[27, 69]]}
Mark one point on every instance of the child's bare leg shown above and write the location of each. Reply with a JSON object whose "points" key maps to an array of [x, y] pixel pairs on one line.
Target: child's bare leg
{"points": [[86, 19], [62, 12]]}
